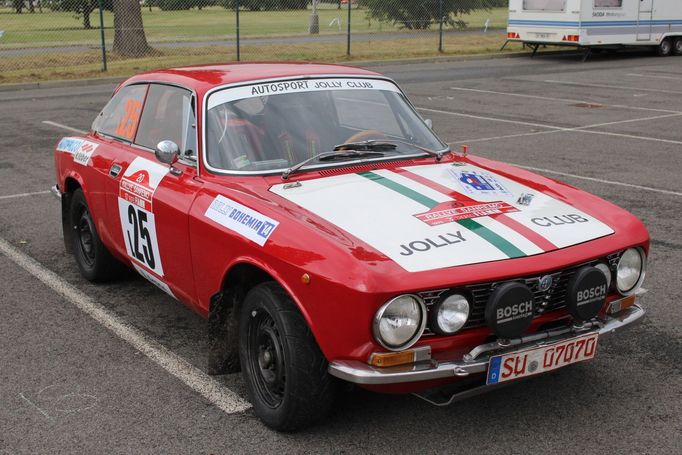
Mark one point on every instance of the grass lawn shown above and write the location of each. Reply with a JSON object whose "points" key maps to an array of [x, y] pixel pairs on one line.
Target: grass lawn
{"points": [[214, 23], [210, 26], [88, 64]]}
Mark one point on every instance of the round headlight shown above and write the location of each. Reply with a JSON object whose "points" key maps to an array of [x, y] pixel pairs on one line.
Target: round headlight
{"points": [[630, 271], [400, 322], [449, 314]]}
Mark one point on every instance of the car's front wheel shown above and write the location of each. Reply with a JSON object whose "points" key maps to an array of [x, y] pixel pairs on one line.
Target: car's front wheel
{"points": [[93, 259], [284, 369]]}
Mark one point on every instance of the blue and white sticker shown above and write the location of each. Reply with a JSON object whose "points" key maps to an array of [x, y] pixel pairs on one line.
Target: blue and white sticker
{"points": [[479, 183], [244, 221], [81, 149]]}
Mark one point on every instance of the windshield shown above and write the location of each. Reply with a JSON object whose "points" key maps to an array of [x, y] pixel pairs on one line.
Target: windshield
{"points": [[272, 126]]}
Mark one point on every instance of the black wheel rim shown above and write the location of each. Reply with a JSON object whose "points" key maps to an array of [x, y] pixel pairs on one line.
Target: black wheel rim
{"points": [[678, 46], [85, 235], [266, 358]]}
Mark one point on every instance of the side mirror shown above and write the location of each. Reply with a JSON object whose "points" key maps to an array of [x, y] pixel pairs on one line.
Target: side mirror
{"points": [[167, 152], [429, 123]]}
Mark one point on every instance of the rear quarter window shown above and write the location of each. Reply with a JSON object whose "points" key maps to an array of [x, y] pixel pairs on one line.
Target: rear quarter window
{"points": [[121, 116]]}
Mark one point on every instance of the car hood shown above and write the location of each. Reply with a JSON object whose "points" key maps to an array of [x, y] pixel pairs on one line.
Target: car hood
{"points": [[433, 216]]}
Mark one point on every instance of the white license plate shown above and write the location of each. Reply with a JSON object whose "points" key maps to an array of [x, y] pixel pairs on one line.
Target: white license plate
{"points": [[526, 363], [543, 35]]}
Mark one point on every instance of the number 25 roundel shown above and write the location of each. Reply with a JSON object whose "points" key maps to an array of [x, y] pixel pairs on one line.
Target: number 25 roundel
{"points": [[135, 199]]}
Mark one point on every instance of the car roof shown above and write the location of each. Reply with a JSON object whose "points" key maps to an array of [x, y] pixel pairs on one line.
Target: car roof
{"points": [[202, 78]]}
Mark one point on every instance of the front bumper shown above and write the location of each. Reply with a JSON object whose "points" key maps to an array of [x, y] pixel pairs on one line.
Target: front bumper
{"points": [[477, 360], [56, 192]]}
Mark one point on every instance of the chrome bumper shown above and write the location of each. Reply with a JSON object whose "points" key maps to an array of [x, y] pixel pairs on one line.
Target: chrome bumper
{"points": [[56, 193], [477, 360]]}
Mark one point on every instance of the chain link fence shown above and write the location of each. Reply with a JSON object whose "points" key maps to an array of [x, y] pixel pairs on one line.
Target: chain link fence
{"points": [[55, 39]]}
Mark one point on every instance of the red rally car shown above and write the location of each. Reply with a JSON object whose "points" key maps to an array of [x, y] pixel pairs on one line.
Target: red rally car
{"points": [[327, 234]]}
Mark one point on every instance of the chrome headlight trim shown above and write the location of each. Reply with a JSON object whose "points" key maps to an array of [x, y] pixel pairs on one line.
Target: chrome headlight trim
{"points": [[642, 272], [415, 337]]}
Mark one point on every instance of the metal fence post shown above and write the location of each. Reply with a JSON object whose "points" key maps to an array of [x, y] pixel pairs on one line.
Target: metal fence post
{"points": [[350, 5], [101, 34], [440, 21], [239, 57]]}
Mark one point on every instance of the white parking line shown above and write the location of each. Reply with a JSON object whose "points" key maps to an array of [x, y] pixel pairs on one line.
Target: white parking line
{"points": [[593, 179], [649, 76], [559, 129], [64, 127], [12, 196], [219, 395], [563, 100], [615, 87]]}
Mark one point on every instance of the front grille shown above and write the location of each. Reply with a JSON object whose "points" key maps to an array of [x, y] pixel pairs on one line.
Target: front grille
{"points": [[552, 299]]}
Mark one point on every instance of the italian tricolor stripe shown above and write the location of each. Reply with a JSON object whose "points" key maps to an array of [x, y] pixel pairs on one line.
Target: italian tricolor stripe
{"points": [[477, 228], [511, 223]]}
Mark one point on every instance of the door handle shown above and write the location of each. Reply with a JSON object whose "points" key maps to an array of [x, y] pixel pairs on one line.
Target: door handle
{"points": [[115, 170]]}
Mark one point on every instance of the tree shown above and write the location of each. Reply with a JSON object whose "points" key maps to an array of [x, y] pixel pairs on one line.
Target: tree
{"points": [[82, 8], [18, 6], [420, 15], [129, 37]]}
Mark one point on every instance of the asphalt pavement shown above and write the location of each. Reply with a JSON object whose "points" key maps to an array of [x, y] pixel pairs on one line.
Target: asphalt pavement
{"points": [[70, 383]]}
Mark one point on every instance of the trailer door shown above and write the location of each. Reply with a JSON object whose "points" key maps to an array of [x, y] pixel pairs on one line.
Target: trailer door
{"points": [[644, 24]]}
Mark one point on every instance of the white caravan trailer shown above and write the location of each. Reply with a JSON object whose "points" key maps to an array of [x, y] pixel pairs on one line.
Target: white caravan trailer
{"points": [[594, 24]]}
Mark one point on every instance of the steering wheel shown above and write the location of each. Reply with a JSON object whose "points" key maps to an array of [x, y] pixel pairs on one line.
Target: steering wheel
{"points": [[366, 135]]}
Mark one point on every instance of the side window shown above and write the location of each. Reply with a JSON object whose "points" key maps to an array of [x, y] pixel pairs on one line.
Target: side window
{"points": [[608, 3], [544, 5], [121, 115], [168, 116]]}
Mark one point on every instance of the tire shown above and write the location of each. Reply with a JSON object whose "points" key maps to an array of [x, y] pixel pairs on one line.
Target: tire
{"points": [[677, 46], [94, 260], [283, 368], [665, 48]]}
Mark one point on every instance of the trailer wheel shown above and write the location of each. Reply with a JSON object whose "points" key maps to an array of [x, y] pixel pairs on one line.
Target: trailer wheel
{"points": [[677, 46], [665, 48]]}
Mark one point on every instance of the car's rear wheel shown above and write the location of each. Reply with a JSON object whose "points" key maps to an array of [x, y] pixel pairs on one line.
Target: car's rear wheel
{"points": [[94, 260], [665, 48], [677, 46], [284, 369]]}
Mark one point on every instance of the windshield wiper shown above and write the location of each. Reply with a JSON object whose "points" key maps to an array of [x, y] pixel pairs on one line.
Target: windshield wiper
{"points": [[387, 143], [370, 145], [335, 155]]}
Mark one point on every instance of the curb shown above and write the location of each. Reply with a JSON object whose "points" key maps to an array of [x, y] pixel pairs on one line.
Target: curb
{"points": [[356, 63], [61, 83]]}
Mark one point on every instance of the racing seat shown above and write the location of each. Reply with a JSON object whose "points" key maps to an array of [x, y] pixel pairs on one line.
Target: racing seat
{"points": [[295, 124]]}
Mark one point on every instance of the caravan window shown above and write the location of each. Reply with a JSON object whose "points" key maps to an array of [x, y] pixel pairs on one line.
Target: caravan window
{"points": [[608, 3], [544, 5]]}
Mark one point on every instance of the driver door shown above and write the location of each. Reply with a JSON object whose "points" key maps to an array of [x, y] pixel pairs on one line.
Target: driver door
{"points": [[148, 202]]}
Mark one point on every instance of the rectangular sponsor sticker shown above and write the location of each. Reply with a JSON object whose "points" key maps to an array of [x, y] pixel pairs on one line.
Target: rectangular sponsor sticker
{"points": [[448, 212], [238, 218], [81, 149], [154, 280], [297, 86], [139, 182], [479, 183]]}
